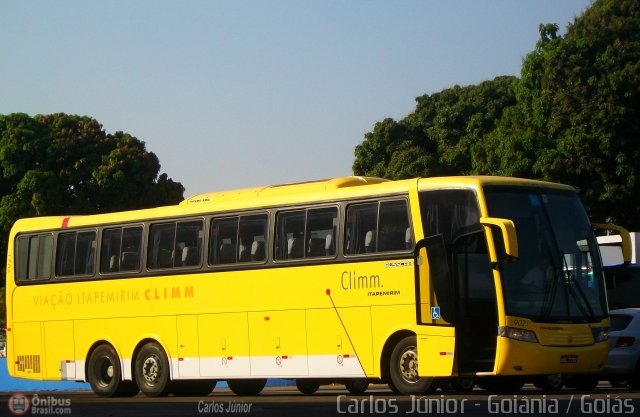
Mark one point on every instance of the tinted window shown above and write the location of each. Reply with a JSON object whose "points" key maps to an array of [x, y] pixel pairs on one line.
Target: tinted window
{"points": [[34, 257], [175, 244], [306, 233], [238, 239], [75, 253], [120, 250], [620, 321], [377, 227], [448, 213]]}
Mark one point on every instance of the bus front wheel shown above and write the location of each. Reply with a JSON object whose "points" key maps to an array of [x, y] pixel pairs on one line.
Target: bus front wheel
{"points": [[403, 369], [152, 370], [105, 375]]}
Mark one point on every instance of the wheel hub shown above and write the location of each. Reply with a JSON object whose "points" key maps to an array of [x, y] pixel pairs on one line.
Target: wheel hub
{"points": [[150, 369], [409, 365]]}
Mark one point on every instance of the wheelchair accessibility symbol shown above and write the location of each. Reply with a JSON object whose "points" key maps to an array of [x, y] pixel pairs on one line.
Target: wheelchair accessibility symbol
{"points": [[435, 313]]}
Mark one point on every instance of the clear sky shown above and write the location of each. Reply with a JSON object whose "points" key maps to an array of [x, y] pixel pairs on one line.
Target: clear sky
{"points": [[233, 94]]}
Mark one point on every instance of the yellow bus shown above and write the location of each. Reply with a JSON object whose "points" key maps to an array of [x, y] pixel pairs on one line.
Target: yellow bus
{"points": [[353, 280]]}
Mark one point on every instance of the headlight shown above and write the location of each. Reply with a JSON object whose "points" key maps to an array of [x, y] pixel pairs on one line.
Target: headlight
{"points": [[517, 334]]}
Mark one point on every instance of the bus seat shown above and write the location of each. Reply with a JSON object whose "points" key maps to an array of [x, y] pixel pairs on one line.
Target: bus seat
{"points": [[329, 249], [370, 241], [165, 258], [189, 256], [316, 247], [407, 239], [227, 253], [113, 263], [295, 248], [129, 261], [243, 253], [257, 250]]}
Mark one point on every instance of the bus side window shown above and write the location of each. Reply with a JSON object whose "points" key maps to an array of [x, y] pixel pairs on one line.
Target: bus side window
{"points": [[321, 224], [393, 225], [131, 245], [161, 245], [65, 254], [120, 249], [75, 253], [223, 241], [188, 244], [34, 257], [252, 231], [290, 235], [360, 229]]}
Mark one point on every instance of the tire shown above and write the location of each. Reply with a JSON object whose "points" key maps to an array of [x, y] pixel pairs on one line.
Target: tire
{"points": [[195, 387], [502, 384], [357, 385], [246, 386], [553, 382], [152, 370], [105, 374], [307, 386], [619, 382], [585, 382], [463, 384], [403, 369]]}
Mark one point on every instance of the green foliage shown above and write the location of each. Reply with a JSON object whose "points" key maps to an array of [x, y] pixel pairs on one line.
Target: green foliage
{"points": [[67, 164], [435, 139], [577, 115], [572, 117]]}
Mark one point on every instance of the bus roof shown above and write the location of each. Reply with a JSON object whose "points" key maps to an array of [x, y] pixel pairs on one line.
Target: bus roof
{"points": [[282, 189], [275, 195]]}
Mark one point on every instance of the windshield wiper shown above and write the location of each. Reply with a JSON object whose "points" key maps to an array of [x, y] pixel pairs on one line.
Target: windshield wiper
{"points": [[568, 277], [550, 294], [572, 282]]}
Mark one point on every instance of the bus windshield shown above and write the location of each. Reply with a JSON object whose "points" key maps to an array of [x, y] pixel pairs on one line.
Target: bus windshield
{"points": [[557, 277]]}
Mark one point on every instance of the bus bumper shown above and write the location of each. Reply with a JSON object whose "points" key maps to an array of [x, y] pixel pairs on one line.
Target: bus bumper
{"points": [[525, 358]]}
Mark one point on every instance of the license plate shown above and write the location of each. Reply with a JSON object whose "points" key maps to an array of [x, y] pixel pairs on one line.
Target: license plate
{"points": [[569, 359]]}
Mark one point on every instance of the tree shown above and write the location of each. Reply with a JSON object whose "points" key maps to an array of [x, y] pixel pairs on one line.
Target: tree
{"points": [[66, 164], [577, 115], [437, 137]]}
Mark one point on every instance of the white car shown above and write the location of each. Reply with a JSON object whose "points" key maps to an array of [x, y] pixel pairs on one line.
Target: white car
{"points": [[623, 363]]}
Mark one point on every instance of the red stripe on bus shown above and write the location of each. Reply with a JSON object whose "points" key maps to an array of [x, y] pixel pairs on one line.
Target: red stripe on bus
{"points": [[65, 222]]}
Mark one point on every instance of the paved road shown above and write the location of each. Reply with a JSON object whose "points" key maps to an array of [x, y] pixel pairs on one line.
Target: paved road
{"points": [[334, 401]]}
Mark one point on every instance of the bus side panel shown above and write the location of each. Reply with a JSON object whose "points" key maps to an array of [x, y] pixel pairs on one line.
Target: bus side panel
{"points": [[27, 350], [278, 343], [59, 350], [330, 350], [224, 345], [188, 355], [388, 320], [125, 334], [357, 321]]}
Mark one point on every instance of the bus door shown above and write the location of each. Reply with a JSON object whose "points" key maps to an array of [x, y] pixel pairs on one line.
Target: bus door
{"points": [[476, 303], [455, 289], [459, 277]]}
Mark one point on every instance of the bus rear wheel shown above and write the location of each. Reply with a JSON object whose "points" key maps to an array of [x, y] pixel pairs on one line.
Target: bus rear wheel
{"points": [[105, 374], [246, 386], [403, 369], [152, 370]]}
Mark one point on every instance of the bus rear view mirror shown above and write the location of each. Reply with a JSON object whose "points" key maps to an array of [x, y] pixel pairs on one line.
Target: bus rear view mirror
{"points": [[625, 238], [509, 237]]}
